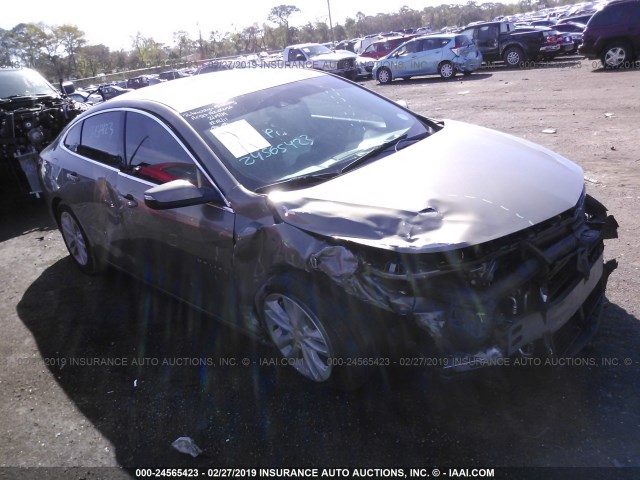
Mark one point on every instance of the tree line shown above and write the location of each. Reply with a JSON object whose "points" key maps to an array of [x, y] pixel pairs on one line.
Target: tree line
{"points": [[63, 51]]}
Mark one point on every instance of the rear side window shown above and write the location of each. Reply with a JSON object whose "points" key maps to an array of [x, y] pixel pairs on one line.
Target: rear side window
{"points": [[101, 138]]}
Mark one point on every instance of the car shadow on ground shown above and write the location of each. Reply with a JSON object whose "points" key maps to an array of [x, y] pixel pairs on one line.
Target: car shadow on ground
{"points": [[22, 213], [194, 377], [458, 78]]}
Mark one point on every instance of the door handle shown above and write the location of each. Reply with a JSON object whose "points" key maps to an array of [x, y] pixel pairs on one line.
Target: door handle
{"points": [[72, 177], [130, 201]]}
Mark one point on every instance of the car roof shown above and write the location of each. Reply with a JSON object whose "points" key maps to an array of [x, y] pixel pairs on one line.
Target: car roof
{"points": [[302, 45], [436, 35], [390, 39], [184, 94]]}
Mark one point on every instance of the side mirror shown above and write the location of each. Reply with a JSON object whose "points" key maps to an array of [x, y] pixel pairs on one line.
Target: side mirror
{"points": [[67, 87], [300, 57], [179, 193]]}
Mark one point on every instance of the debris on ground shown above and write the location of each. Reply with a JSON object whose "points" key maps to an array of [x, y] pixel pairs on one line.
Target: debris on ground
{"points": [[187, 445]]}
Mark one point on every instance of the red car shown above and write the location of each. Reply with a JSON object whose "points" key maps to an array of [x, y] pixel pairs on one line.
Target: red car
{"points": [[383, 47]]}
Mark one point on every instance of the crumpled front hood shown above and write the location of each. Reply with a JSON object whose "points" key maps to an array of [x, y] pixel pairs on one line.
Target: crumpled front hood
{"points": [[462, 186]]}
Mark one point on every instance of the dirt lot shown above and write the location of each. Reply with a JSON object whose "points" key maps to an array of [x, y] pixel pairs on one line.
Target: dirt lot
{"points": [[57, 414]]}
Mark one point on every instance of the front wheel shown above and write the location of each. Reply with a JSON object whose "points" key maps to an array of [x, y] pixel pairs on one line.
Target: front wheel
{"points": [[446, 70], [615, 55], [384, 75], [309, 323]]}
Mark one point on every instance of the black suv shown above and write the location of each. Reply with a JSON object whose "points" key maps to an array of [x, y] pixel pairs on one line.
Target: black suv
{"points": [[613, 34]]}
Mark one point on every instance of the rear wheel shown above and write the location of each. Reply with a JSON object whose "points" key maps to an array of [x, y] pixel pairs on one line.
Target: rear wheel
{"points": [[615, 55], [77, 242], [513, 56], [384, 75], [446, 70], [312, 328]]}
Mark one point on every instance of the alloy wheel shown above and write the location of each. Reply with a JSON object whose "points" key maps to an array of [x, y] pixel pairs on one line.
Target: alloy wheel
{"points": [[299, 336], [74, 238]]}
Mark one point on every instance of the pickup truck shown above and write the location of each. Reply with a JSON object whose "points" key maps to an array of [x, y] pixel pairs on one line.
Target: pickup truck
{"points": [[502, 41], [314, 55]]}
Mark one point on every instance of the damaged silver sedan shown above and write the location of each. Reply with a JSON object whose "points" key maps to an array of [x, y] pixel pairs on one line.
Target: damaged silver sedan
{"points": [[317, 215]]}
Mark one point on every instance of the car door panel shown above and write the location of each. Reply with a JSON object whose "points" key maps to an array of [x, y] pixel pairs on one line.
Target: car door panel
{"points": [[185, 251], [89, 175]]}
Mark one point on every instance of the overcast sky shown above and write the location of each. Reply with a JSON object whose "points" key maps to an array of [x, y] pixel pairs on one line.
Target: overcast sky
{"points": [[115, 23]]}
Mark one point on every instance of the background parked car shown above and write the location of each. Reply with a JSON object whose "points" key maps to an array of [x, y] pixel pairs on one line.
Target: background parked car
{"points": [[434, 54], [143, 81], [384, 47], [172, 75], [85, 97], [584, 19], [574, 30], [110, 91], [613, 34]]}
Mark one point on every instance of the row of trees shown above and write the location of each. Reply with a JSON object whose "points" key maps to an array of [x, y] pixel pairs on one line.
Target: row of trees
{"points": [[63, 52]]}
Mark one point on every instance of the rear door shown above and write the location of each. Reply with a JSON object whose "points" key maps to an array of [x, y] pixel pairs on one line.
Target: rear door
{"points": [[89, 174], [487, 40], [429, 56]]}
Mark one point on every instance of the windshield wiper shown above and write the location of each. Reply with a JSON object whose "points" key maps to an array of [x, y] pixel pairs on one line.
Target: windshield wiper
{"points": [[382, 147], [302, 180], [32, 96]]}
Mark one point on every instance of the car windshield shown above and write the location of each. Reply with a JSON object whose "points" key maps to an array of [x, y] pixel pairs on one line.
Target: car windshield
{"points": [[24, 82], [314, 50], [313, 127]]}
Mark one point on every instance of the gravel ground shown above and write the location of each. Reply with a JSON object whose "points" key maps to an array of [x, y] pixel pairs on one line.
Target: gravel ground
{"points": [[83, 416]]}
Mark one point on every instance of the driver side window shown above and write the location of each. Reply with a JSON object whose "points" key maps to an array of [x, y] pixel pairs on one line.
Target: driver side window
{"points": [[293, 54], [155, 155]]}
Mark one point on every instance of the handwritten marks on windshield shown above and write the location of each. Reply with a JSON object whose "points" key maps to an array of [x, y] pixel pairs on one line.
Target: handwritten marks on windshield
{"points": [[295, 143]]}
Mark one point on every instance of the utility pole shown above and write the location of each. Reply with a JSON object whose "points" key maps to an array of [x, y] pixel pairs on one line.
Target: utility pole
{"points": [[333, 39]]}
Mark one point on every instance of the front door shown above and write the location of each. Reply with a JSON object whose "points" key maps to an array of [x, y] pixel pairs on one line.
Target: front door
{"points": [[187, 251]]}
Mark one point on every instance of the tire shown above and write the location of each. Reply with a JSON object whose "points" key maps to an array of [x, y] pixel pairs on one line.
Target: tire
{"points": [[77, 242], [309, 323], [446, 70], [384, 76], [513, 56], [615, 55]]}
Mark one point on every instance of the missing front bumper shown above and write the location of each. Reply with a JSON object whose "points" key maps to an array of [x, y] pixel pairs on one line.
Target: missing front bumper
{"points": [[561, 329]]}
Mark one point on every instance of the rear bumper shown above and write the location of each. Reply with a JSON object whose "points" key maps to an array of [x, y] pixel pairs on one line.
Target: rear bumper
{"points": [[550, 49]]}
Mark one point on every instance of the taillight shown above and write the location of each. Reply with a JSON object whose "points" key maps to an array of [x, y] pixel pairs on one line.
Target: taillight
{"points": [[457, 48]]}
